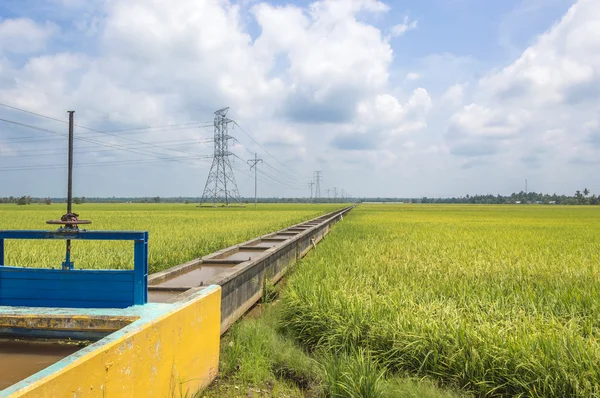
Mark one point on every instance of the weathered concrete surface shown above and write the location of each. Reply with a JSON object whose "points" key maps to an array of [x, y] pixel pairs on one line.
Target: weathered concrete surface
{"points": [[243, 283], [173, 350]]}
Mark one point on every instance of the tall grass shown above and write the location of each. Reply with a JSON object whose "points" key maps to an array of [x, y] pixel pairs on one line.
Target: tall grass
{"points": [[497, 300], [178, 232], [257, 356]]}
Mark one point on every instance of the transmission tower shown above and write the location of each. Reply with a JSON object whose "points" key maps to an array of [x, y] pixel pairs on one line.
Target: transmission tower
{"points": [[220, 185], [334, 194], [318, 176], [328, 197], [311, 184]]}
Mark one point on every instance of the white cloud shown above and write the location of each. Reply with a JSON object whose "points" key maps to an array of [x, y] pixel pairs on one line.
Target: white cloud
{"points": [[533, 110], [400, 29], [315, 84], [157, 63], [333, 58], [24, 36], [386, 114], [455, 94]]}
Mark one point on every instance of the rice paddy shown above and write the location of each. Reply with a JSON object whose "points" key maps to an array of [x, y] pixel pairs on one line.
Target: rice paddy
{"points": [[481, 300], [178, 232], [493, 300]]}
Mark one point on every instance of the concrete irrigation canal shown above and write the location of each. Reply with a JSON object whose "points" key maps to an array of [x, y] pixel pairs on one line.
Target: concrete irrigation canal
{"points": [[167, 346]]}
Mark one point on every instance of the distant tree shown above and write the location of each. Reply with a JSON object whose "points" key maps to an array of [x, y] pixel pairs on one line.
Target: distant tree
{"points": [[22, 201], [586, 192], [76, 200], [48, 201], [187, 202], [157, 199], [83, 199]]}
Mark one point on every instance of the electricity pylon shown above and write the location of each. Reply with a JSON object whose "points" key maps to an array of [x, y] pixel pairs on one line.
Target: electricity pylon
{"points": [[220, 185]]}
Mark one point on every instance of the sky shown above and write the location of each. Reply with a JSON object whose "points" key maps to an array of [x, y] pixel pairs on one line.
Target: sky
{"points": [[410, 98]]}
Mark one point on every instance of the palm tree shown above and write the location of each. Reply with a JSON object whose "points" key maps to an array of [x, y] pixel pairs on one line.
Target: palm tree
{"points": [[586, 192]]}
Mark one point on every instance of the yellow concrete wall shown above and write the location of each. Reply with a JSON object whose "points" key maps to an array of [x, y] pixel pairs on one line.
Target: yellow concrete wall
{"points": [[174, 355]]}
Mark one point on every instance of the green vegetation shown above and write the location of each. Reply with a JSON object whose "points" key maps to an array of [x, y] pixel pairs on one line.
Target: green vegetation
{"points": [[498, 300], [258, 359], [178, 232]]}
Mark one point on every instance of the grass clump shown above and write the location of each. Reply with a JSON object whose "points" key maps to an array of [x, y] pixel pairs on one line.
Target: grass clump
{"points": [[254, 355]]}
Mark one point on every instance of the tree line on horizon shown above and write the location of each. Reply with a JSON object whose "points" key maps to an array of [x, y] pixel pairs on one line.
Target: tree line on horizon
{"points": [[584, 197]]}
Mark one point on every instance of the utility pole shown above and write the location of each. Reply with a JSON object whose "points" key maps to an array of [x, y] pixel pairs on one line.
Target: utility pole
{"points": [[71, 220], [221, 174], [342, 195], [68, 264], [526, 186], [318, 175], [253, 163], [70, 172], [310, 184], [328, 198]]}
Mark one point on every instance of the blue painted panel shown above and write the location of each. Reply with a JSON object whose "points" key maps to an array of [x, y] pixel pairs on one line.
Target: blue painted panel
{"points": [[78, 288], [75, 275], [72, 288], [71, 294], [15, 283], [140, 250]]}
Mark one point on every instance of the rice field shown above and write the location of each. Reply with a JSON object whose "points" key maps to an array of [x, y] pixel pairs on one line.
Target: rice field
{"points": [[493, 300], [178, 232]]}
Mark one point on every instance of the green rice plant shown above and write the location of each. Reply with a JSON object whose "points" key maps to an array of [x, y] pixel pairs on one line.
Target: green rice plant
{"points": [[497, 300], [178, 232], [353, 375], [254, 354]]}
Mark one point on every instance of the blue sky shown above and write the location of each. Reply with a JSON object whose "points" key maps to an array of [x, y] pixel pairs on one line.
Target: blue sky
{"points": [[397, 98]]}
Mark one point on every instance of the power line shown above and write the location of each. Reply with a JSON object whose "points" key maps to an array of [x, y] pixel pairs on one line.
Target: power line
{"points": [[264, 149], [291, 178], [108, 132], [90, 129], [33, 113], [108, 163], [204, 124], [284, 174], [115, 146], [38, 139], [84, 149], [271, 177]]}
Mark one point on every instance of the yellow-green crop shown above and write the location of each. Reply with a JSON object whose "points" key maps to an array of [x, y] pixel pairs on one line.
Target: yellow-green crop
{"points": [[178, 232], [498, 300]]}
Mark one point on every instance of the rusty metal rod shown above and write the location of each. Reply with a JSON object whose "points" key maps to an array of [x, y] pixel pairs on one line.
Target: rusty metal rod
{"points": [[70, 178]]}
